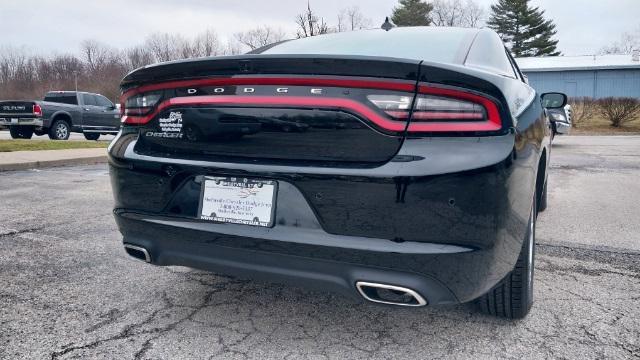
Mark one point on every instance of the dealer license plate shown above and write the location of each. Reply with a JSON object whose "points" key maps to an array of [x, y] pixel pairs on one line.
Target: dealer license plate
{"points": [[238, 200]]}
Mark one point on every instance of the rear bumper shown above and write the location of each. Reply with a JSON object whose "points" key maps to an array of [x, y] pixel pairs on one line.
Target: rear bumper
{"points": [[38, 122], [437, 224], [170, 245]]}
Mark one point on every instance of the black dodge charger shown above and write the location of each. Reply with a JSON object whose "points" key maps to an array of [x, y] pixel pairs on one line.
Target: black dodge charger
{"points": [[403, 167]]}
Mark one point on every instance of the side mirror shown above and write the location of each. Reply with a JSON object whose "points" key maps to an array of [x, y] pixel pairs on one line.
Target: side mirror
{"points": [[553, 100]]}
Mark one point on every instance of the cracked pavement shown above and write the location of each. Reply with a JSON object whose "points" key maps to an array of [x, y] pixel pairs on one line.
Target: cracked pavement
{"points": [[69, 291]]}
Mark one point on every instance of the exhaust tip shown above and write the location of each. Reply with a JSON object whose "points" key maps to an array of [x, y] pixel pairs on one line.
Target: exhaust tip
{"points": [[389, 294], [137, 252]]}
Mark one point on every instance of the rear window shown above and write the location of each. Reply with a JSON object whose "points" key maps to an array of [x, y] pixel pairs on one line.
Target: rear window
{"points": [[446, 45], [64, 99]]}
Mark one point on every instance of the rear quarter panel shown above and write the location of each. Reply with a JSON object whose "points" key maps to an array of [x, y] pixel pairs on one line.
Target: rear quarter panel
{"points": [[51, 110]]}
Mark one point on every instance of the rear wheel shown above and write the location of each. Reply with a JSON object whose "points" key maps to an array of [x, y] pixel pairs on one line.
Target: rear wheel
{"points": [[92, 136], [542, 204], [512, 297], [21, 132], [59, 130]]}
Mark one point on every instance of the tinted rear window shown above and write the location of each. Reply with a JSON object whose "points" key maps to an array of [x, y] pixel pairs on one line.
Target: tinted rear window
{"points": [[64, 99], [447, 45]]}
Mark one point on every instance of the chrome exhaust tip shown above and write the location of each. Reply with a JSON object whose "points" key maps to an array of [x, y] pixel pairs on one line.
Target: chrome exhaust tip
{"points": [[137, 252], [389, 294]]}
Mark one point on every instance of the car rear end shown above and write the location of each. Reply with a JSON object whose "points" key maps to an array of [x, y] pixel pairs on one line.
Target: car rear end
{"points": [[20, 113], [399, 190]]}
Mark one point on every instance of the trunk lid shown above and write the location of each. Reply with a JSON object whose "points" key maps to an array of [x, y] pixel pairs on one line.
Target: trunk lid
{"points": [[271, 109]]}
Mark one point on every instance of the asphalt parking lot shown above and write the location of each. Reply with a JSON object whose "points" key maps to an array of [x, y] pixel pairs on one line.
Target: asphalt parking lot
{"points": [[68, 290]]}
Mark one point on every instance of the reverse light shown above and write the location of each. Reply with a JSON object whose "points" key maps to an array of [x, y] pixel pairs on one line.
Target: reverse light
{"points": [[391, 103], [37, 110]]}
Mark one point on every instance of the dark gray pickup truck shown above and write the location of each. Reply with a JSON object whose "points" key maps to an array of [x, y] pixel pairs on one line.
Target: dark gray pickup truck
{"points": [[59, 114]]}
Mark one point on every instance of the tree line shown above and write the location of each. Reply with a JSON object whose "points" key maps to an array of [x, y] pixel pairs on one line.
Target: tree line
{"points": [[99, 67]]}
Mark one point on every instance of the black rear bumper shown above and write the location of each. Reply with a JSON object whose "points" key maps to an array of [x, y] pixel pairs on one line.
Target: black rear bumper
{"points": [[168, 245], [438, 224]]}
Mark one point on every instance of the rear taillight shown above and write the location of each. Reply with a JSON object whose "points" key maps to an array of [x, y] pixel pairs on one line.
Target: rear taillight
{"points": [[434, 109], [37, 110], [139, 105], [441, 110]]}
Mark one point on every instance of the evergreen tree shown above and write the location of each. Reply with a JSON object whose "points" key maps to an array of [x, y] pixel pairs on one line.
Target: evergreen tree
{"points": [[523, 28], [412, 13]]}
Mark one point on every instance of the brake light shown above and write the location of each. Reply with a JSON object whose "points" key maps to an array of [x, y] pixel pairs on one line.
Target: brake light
{"points": [[440, 110], [139, 105], [37, 110]]}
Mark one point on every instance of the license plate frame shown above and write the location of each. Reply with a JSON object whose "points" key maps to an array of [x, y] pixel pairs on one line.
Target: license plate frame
{"points": [[238, 200]]}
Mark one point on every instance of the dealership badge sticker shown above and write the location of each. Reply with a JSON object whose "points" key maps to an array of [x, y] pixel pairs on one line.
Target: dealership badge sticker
{"points": [[171, 127]]}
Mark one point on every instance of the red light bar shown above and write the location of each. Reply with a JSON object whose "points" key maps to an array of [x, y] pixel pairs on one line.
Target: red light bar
{"points": [[286, 101]]}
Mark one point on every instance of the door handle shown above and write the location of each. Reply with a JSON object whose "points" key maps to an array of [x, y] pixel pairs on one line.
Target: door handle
{"points": [[86, 109]]}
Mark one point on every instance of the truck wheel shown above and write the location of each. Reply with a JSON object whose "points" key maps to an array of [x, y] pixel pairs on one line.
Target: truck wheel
{"points": [[59, 130], [92, 136], [21, 132], [512, 297]]}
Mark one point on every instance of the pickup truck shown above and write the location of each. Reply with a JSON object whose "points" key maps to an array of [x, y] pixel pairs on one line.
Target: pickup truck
{"points": [[59, 114]]}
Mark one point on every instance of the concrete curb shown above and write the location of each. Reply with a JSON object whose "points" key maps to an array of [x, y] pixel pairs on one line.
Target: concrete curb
{"points": [[53, 163]]}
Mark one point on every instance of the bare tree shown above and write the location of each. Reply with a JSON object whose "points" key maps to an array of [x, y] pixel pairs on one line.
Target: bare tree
{"points": [[628, 42], [137, 56], [232, 48], [99, 68], [461, 13], [260, 36], [97, 55], [351, 18], [619, 111], [309, 24], [166, 47], [207, 43], [583, 109]]}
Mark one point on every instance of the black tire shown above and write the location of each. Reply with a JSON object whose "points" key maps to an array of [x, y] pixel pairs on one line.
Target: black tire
{"points": [[21, 132], [40, 132], [59, 130], [512, 297], [542, 203], [92, 136]]}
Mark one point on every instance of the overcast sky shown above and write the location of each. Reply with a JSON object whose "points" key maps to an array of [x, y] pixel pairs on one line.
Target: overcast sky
{"points": [[46, 26]]}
